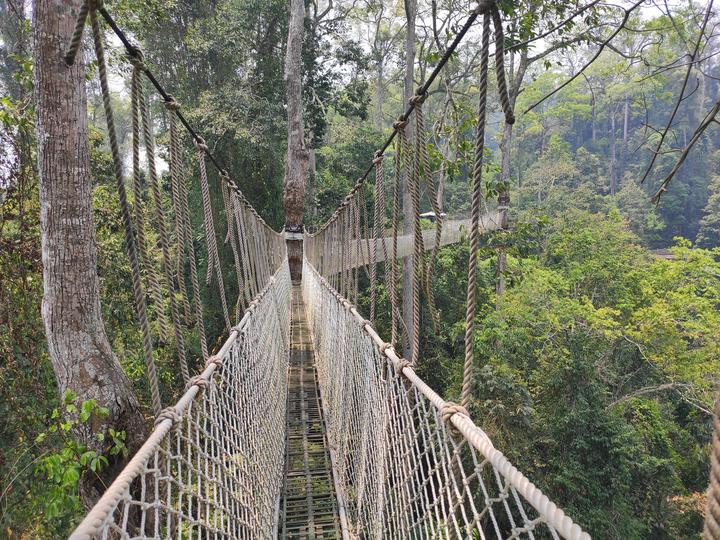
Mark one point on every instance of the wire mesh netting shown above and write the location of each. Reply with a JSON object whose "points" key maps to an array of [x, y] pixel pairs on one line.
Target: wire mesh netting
{"points": [[410, 466], [213, 466]]}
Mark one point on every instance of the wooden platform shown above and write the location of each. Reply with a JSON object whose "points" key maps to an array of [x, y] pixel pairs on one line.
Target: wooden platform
{"points": [[308, 507]]}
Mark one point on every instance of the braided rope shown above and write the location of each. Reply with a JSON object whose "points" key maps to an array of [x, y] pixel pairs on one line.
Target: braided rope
{"points": [[146, 265], [162, 233], [189, 240], [500, 65], [413, 181], [175, 165], [424, 173], [246, 291], [213, 255], [355, 208], [397, 187], [379, 221], [138, 294], [76, 38], [475, 216], [230, 237]]}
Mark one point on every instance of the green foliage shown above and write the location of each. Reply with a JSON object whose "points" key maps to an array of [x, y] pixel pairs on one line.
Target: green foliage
{"points": [[597, 369], [65, 461]]}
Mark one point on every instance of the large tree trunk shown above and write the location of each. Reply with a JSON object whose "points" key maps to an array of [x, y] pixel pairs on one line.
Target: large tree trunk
{"points": [[78, 345], [409, 90], [296, 166]]}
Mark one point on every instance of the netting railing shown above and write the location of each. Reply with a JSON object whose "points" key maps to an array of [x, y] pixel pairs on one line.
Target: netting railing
{"points": [[410, 464], [213, 466]]}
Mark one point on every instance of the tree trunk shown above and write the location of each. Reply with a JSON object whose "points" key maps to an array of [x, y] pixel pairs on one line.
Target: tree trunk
{"points": [[379, 94], [296, 166], [79, 349], [626, 128], [613, 156], [409, 90]]}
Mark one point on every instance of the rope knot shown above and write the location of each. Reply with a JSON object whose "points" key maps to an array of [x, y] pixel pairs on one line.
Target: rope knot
{"points": [[199, 381], [171, 104], [237, 328], [200, 144], [450, 409], [214, 359], [363, 323], [418, 99], [94, 5], [168, 413], [384, 346], [484, 6], [137, 58], [402, 364], [399, 124], [378, 158]]}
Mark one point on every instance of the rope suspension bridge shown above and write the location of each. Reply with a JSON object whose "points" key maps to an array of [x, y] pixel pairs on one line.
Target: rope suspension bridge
{"points": [[305, 423]]}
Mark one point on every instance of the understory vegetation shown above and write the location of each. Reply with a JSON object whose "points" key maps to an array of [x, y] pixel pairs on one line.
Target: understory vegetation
{"points": [[598, 365]]}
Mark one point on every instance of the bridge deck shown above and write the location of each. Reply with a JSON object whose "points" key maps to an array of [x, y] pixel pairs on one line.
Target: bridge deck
{"points": [[309, 506]]}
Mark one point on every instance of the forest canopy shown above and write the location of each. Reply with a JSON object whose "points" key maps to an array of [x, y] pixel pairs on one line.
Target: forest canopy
{"points": [[596, 332]]}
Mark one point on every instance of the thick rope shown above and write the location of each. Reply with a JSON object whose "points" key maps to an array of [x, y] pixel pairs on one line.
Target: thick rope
{"points": [[246, 291], [357, 243], [423, 172], [213, 254], [162, 234], [175, 165], [379, 223], [500, 65], [146, 265], [397, 188], [186, 232], [230, 238], [413, 180], [76, 39], [475, 216], [138, 294]]}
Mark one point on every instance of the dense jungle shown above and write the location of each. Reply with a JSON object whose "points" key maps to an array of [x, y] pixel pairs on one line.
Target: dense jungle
{"points": [[598, 317]]}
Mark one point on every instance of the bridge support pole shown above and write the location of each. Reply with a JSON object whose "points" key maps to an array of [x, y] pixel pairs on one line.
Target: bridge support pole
{"points": [[294, 242]]}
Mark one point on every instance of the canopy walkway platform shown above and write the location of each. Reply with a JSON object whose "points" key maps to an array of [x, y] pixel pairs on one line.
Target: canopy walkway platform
{"points": [[309, 506]]}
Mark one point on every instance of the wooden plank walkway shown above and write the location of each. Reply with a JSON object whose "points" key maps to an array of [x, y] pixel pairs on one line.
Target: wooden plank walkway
{"points": [[309, 506]]}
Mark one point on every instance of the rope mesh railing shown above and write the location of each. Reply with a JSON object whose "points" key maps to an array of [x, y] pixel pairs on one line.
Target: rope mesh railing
{"points": [[213, 466], [410, 464]]}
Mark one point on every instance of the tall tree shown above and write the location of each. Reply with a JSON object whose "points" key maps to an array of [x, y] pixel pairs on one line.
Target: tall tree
{"points": [[82, 358], [296, 166]]}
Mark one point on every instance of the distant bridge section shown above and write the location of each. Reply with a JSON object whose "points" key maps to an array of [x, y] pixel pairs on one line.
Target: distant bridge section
{"points": [[453, 231]]}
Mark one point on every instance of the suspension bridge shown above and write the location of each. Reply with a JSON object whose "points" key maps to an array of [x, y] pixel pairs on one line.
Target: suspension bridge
{"points": [[306, 422]]}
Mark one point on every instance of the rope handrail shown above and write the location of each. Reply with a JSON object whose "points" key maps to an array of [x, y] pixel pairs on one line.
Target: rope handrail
{"points": [[549, 513], [96, 521]]}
